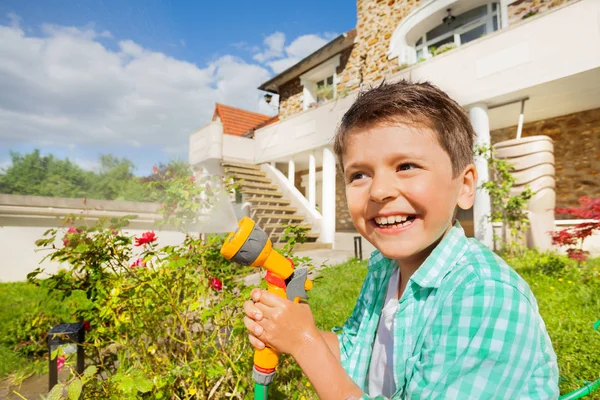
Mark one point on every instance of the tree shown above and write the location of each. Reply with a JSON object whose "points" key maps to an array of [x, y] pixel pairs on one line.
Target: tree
{"points": [[34, 174]]}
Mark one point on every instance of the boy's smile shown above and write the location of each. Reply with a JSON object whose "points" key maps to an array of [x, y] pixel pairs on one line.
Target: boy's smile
{"points": [[401, 191]]}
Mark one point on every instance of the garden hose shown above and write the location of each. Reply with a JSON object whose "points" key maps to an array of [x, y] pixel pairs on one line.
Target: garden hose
{"points": [[588, 388], [260, 391]]}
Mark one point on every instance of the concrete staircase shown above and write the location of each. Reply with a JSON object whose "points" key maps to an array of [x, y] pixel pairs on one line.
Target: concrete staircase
{"points": [[270, 210]]}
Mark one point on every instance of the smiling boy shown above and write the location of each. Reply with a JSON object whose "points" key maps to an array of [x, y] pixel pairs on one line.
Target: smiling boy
{"points": [[439, 315]]}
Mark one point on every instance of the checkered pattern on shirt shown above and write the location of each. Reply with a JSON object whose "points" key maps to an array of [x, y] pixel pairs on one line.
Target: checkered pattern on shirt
{"points": [[467, 327]]}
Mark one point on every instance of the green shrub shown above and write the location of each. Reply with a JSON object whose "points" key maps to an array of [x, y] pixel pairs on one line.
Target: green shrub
{"points": [[164, 326]]}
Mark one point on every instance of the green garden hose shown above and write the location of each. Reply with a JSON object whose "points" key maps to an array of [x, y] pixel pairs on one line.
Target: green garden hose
{"points": [[587, 389], [260, 391]]}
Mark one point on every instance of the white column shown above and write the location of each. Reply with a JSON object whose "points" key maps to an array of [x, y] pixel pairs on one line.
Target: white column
{"points": [[312, 181], [482, 208], [328, 202], [292, 172]]}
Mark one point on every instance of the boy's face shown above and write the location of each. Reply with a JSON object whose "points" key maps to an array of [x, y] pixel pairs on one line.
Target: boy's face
{"points": [[400, 190]]}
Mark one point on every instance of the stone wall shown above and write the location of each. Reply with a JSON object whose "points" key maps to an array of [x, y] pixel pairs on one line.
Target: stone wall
{"points": [[376, 20], [577, 161], [523, 9], [343, 221], [290, 98]]}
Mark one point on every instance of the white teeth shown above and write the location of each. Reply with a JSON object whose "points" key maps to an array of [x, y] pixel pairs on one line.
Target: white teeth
{"points": [[391, 219]]}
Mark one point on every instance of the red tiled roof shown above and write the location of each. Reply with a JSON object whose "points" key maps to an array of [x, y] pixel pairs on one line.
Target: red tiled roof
{"points": [[237, 121]]}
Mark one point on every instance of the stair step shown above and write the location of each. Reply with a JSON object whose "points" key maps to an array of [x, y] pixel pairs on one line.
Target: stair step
{"points": [[262, 192], [275, 208], [234, 170], [258, 185], [289, 217], [240, 165], [254, 178], [267, 200], [283, 226]]}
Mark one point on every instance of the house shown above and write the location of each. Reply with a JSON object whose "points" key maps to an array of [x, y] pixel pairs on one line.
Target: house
{"points": [[520, 68]]}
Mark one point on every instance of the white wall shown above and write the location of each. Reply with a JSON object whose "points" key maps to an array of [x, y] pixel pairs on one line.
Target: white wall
{"points": [[24, 219], [206, 143], [19, 255], [237, 148]]}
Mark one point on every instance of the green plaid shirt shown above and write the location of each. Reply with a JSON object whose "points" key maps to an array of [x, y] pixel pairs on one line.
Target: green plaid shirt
{"points": [[467, 326]]}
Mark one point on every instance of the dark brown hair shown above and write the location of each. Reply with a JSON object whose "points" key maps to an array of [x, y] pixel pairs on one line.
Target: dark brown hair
{"points": [[416, 104]]}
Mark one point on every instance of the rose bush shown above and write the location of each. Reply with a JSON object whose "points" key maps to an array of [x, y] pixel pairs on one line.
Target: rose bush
{"points": [[167, 319]]}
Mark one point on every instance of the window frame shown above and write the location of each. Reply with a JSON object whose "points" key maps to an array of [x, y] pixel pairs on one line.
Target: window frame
{"points": [[322, 72], [487, 20]]}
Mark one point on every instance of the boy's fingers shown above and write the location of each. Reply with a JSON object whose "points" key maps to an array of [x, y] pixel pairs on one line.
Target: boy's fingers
{"points": [[256, 342], [255, 295], [253, 327], [252, 311], [270, 299]]}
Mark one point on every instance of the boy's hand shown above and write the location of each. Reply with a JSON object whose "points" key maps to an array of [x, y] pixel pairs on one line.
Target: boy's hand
{"points": [[278, 322]]}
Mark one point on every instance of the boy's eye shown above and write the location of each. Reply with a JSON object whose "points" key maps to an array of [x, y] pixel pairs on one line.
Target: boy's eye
{"points": [[357, 175], [406, 167]]}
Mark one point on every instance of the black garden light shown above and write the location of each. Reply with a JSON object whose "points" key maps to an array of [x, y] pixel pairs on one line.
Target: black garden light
{"points": [[70, 337]]}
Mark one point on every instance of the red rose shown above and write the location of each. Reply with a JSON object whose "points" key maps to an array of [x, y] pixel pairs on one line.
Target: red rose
{"points": [[72, 229], [147, 237], [216, 284], [86, 326]]}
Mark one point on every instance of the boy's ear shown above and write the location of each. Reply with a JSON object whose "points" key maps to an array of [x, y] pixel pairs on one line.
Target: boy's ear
{"points": [[468, 186]]}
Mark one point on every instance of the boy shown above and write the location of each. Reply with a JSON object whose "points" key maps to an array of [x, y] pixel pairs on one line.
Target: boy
{"points": [[439, 315]]}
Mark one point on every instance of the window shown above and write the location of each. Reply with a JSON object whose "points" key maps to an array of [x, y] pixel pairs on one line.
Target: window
{"points": [[320, 83], [325, 90], [463, 28]]}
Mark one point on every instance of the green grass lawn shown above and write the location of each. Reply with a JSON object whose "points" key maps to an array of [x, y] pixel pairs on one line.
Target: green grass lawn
{"points": [[22, 300], [569, 305]]}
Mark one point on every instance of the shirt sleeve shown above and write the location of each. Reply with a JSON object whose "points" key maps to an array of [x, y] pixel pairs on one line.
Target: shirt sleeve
{"points": [[487, 342], [347, 334]]}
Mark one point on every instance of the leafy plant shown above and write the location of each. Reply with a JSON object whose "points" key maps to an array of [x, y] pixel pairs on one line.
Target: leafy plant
{"points": [[435, 51], [510, 210], [573, 237], [163, 324], [325, 93], [530, 14]]}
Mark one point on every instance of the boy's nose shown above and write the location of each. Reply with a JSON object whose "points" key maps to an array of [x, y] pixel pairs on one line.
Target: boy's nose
{"points": [[382, 190]]}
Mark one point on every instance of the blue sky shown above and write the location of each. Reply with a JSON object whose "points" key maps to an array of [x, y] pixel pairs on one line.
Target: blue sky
{"points": [[135, 78]]}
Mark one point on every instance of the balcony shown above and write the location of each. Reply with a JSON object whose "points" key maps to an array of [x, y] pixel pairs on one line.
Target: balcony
{"points": [[552, 58]]}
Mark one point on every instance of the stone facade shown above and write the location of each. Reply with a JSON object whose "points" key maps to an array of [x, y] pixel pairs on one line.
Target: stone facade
{"points": [[376, 20], [343, 221], [290, 98], [577, 161], [523, 9]]}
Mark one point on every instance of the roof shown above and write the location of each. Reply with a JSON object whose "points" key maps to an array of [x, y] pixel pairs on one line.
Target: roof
{"points": [[237, 121], [332, 48]]}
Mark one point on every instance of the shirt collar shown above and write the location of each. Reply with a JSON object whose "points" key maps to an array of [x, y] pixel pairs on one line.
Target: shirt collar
{"points": [[443, 257]]}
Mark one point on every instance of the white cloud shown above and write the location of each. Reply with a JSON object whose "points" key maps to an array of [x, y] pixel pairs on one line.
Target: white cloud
{"points": [[280, 57], [273, 47], [87, 33], [66, 87], [305, 45]]}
